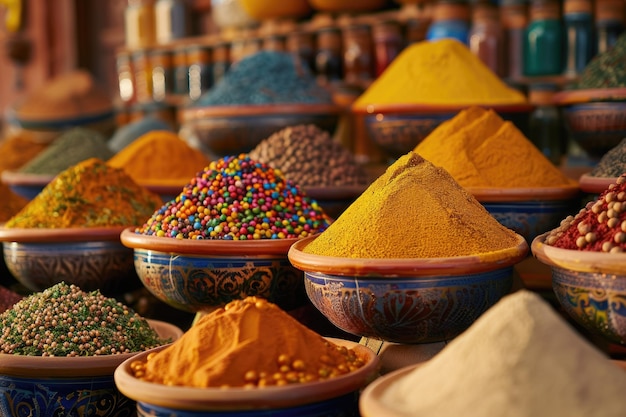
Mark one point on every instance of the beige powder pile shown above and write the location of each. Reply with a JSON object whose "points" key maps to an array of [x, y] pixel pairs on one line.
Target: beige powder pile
{"points": [[519, 359]]}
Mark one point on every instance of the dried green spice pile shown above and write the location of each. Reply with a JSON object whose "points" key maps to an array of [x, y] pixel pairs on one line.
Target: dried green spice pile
{"points": [[65, 321], [606, 70]]}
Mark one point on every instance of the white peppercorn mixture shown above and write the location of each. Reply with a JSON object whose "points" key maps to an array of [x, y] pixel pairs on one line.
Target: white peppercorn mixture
{"points": [[310, 157], [65, 321]]}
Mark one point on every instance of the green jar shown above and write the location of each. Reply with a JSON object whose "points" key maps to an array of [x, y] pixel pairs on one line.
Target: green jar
{"points": [[544, 40]]}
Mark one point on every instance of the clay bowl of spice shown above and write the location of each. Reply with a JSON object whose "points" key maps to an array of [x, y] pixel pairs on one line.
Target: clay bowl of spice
{"points": [[280, 367], [406, 300], [586, 255], [92, 258], [63, 375], [26, 184]]}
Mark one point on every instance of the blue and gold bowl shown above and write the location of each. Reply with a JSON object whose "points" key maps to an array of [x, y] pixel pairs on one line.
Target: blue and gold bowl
{"points": [[408, 300], [530, 211], [200, 275], [590, 286], [68, 386], [92, 258]]}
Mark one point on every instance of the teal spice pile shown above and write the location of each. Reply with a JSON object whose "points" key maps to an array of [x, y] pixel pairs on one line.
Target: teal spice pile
{"points": [[237, 198]]}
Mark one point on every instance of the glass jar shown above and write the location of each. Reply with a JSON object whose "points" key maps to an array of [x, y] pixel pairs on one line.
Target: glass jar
{"points": [[543, 39], [329, 58], [358, 57], [514, 18], [221, 61], [387, 44], [139, 21], [609, 23], [200, 70], [450, 20], [302, 44], [578, 21], [487, 37], [171, 20], [545, 123]]}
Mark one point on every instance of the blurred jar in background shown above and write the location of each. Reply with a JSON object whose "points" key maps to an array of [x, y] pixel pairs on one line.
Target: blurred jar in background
{"points": [[139, 23], [544, 39], [545, 125], [609, 23], [487, 37]]}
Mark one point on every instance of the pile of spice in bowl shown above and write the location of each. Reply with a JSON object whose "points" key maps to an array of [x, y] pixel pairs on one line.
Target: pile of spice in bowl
{"points": [[226, 236], [70, 231], [606, 171], [60, 347], [249, 355], [319, 164], [259, 95], [415, 258], [519, 358], [503, 169], [586, 255]]}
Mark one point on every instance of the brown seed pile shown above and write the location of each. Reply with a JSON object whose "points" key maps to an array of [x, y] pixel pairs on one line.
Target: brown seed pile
{"points": [[310, 157]]}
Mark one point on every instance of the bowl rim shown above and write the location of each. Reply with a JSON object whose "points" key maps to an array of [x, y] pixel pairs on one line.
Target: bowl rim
{"points": [[197, 399], [30, 122], [59, 235], [436, 109], [25, 179], [39, 366], [589, 95], [595, 185], [575, 260], [240, 248], [409, 267], [191, 114], [494, 194]]}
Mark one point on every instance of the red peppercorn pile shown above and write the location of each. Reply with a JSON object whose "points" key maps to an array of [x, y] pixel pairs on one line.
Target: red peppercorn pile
{"points": [[237, 198], [600, 226]]}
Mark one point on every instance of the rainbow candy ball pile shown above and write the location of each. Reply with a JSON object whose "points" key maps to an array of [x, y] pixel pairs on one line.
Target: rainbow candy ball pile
{"points": [[236, 198]]}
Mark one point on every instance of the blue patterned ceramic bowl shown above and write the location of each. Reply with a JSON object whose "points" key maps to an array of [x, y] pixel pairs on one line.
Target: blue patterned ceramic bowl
{"points": [[406, 300], [91, 258], [200, 275], [336, 397], [530, 211], [590, 286], [62, 386], [398, 129]]}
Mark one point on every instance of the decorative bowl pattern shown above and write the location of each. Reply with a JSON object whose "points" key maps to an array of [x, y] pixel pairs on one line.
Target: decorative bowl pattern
{"points": [[596, 127], [336, 397], [590, 286], [220, 131], [77, 387], [201, 275], [406, 300], [398, 129], [91, 258], [531, 211]]}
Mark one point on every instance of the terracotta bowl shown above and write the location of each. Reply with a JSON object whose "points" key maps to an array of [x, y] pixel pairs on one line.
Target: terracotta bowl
{"points": [[91, 258], [398, 129], [331, 398], [64, 386], [346, 6], [590, 286], [200, 275], [529, 211], [595, 185], [406, 300], [220, 131], [24, 184], [276, 9]]}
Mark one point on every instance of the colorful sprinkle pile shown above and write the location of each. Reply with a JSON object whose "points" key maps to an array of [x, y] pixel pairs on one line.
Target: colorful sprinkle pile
{"points": [[236, 198]]}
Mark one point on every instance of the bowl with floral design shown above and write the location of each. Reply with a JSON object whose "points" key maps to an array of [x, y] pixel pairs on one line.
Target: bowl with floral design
{"points": [[405, 300], [334, 397], [92, 258], [78, 386], [200, 275], [590, 286]]}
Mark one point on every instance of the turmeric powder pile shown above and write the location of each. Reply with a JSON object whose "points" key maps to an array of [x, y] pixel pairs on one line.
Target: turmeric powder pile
{"points": [[413, 210], [160, 157], [248, 343], [479, 149], [88, 194], [441, 72]]}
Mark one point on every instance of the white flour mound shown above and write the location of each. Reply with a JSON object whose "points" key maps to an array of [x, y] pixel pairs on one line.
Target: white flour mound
{"points": [[520, 358]]}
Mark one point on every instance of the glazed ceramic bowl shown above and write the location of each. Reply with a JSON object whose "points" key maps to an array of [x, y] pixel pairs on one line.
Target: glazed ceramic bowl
{"points": [[91, 258], [68, 386], [594, 118], [406, 300], [24, 184], [529, 211], [220, 131], [330, 398], [590, 286], [398, 129], [200, 275]]}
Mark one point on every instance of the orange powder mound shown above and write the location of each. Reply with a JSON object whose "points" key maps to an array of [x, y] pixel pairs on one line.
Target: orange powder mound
{"points": [[160, 157], [486, 151], [246, 344]]}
